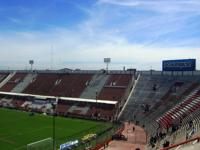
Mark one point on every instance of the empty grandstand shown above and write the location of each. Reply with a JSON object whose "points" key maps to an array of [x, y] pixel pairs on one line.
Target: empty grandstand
{"points": [[66, 85], [78, 94], [165, 105]]}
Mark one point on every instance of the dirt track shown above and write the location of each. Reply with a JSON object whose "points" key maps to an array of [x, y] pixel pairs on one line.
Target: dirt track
{"points": [[136, 139]]}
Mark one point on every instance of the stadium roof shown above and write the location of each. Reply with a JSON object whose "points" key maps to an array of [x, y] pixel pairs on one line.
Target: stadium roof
{"points": [[62, 98], [89, 100]]}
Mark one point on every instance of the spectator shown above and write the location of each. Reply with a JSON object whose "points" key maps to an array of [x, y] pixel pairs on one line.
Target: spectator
{"points": [[190, 124], [133, 128], [191, 133], [166, 144], [134, 117], [187, 136]]}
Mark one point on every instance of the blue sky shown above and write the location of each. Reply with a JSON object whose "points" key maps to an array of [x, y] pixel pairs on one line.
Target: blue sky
{"points": [[80, 33]]}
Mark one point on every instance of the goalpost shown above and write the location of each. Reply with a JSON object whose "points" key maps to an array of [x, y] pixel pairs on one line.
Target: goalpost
{"points": [[45, 144]]}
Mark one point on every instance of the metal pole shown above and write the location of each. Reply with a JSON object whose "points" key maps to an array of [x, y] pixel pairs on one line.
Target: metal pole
{"points": [[96, 106], [107, 67], [54, 106], [54, 130]]}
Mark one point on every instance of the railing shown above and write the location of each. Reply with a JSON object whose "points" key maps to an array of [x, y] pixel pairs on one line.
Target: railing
{"points": [[106, 142], [182, 143], [102, 145], [190, 89]]}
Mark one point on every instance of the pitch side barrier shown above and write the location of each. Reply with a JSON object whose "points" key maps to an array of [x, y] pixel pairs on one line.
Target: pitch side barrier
{"points": [[53, 98], [182, 143]]}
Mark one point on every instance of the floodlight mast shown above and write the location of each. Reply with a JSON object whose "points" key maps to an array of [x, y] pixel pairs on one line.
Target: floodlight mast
{"points": [[107, 61], [31, 62]]}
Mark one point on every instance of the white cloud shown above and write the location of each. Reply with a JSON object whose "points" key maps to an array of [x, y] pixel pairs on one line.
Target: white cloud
{"points": [[121, 2], [106, 33], [14, 20], [165, 6], [70, 46]]}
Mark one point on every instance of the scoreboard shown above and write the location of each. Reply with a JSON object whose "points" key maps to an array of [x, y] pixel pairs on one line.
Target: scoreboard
{"points": [[179, 65]]}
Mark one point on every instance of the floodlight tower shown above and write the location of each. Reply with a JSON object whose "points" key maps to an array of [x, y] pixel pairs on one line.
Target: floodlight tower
{"points": [[31, 62], [107, 61]]}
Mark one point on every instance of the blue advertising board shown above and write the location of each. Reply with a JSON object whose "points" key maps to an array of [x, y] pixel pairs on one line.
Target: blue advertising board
{"points": [[179, 65], [68, 145]]}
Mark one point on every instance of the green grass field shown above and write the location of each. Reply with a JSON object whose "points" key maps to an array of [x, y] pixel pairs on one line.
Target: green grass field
{"points": [[17, 129]]}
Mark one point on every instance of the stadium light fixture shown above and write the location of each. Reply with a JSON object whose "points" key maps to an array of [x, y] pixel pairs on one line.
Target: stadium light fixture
{"points": [[31, 62], [107, 61]]}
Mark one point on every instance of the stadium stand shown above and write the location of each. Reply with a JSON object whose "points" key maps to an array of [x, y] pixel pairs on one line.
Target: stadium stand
{"points": [[144, 93], [167, 106], [58, 84], [6, 78], [10, 84], [189, 104], [24, 83], [42, 84], [102, 111], [170, 98], [90, 110], [115, 87], [17, 103], [94, 86], [152, 92], [3, 76], [6, 102], [70, 85], [63, 107]]}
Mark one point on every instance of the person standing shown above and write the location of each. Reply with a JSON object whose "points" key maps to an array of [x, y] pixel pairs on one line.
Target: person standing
{"points": [[133, 128]]}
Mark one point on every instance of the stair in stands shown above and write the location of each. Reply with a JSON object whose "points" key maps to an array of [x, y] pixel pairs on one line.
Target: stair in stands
{"points": [[7, 79], [22, 85], [95, 85]]}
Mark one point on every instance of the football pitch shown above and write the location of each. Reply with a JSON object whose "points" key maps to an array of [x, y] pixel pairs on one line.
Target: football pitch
{"points": [[17, 129]]}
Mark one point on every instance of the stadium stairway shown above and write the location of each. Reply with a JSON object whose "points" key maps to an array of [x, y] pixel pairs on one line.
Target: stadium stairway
{"points": [[152, 125], [7, 79], [143, 94], [184, 127], [95, 85], [22, 85], [2, 76], [169, 102], [121, 113], [188, 104]]}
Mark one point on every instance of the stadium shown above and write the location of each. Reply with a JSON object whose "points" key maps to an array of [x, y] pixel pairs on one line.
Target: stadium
{"points": [[96, 109], [99, 75]]}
